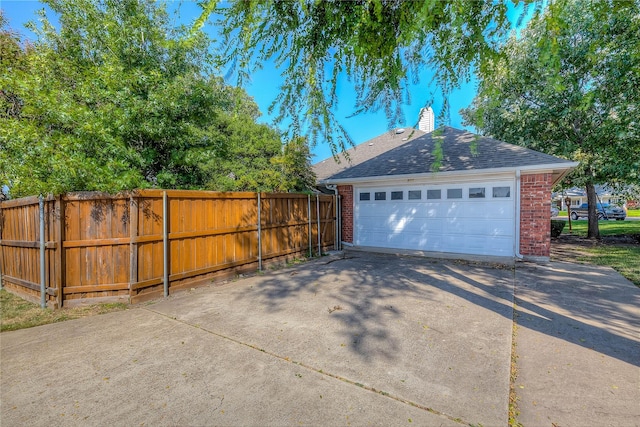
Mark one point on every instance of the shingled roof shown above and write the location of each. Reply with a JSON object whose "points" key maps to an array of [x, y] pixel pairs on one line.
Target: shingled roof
{"points": [[365, 151], [388, 155]]}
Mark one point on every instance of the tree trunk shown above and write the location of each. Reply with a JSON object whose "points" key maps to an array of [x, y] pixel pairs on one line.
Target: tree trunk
{"points": [[594, 230]]}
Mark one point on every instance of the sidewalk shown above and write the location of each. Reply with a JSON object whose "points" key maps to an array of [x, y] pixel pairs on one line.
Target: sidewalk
{"points": [[578, 346]]}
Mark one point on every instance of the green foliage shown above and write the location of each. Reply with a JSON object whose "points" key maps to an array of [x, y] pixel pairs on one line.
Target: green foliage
{"points": [[295, 164], [570, 86], [255, 160], [117, 98], [557, 225], [380, 45]]}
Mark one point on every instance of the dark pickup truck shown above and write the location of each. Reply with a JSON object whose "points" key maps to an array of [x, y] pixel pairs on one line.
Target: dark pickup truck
{"points": [[605, 211]]}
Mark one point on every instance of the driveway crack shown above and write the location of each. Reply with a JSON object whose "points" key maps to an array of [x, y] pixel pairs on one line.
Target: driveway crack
{"points": [[317, 370]]}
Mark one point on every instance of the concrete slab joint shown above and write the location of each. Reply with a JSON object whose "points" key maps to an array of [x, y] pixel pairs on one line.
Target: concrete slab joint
{"points": [[350, 338]]}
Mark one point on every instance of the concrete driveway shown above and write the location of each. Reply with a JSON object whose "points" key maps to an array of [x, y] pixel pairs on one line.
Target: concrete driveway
{"points": [[363, 340]]}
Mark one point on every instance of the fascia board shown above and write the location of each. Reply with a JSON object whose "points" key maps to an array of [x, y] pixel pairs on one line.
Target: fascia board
{"points": [[453, 174]]}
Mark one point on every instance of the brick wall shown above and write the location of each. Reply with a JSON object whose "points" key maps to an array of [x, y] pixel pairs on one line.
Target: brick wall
{"points": [[535, 206], [346, 207]]}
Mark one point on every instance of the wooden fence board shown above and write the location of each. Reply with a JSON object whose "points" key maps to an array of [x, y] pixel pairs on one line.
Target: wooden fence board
{"points": [[20, 247], [109, 246]]}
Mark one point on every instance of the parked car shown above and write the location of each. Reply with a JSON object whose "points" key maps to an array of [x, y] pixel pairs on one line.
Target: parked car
{"points": [[605, 211], [554, 211]]}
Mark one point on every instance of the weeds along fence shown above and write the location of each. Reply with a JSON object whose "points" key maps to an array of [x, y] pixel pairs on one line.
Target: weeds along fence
{"points": [[142, 245]]}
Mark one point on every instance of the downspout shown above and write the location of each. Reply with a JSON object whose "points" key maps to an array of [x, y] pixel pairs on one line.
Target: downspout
{"points": [[516, 218], [334, 188]]}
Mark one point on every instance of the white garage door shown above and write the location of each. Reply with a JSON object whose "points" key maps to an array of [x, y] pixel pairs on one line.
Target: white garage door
{"points": [[473, 218]]}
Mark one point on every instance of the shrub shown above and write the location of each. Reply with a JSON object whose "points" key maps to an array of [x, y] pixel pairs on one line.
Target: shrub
{"points": [[556, 227]]}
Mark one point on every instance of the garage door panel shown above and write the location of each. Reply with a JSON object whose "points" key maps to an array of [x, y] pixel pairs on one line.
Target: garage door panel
{"points": [[467, 225], [488, 227]]}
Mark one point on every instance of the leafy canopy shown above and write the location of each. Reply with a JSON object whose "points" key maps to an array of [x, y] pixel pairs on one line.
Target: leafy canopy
{"points": [[571, 90], [380, 45], [118, 98]]}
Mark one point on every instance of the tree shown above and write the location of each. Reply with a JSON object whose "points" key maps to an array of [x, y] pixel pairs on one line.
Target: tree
{"points": [[380, 45], [117, 98], [256, 160], [571, 90], [295, 164]]}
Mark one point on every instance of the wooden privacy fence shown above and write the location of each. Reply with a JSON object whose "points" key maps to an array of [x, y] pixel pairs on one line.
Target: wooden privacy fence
{"points": [[142, 245]]}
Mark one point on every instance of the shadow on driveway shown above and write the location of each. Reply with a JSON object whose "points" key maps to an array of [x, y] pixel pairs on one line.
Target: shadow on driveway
{"points": [[361, 339], [424, 331]]}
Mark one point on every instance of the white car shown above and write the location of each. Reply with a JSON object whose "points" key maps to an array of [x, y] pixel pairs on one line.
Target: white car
{"points": [[554, 211]]}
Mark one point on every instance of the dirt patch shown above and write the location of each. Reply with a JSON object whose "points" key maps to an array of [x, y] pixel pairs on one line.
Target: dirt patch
{"points": [[569, 247], [16, 313]]}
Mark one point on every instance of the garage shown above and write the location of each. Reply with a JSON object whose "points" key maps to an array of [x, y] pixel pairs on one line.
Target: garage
{"points": [[445, 192], [476, 218]]}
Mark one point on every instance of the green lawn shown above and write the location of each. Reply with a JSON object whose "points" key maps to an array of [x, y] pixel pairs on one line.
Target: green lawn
{"points": [[607, 228], [625, 258], [630, 213]]}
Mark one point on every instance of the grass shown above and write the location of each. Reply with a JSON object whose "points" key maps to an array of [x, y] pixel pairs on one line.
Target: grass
{"points": [[630, 213], [607, 228], [624, 258], [16, 313]]}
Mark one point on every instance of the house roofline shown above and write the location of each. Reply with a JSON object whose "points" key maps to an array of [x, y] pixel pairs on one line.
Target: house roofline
{"points": [[561, 168]]}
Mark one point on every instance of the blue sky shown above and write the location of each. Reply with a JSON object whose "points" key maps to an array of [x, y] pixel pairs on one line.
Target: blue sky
{"points": [[265, 83]]}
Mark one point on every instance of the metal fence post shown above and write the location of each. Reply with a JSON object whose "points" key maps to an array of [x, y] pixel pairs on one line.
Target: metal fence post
{"points": [[339, 220], [309, 228], [133, 244], [165, 242], [319, 234], [259, 233], [1, 257], [43, 274], [335, 210]]}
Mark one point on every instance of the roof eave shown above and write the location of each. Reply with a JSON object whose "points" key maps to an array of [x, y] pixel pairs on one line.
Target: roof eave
{"points": [[559, 171]]}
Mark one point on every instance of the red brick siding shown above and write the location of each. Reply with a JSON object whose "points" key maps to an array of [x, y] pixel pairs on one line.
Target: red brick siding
{"points": [[346, 207], [535, 206]]}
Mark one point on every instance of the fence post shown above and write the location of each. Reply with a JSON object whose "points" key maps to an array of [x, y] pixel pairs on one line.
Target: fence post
{"points": [[335, 216], [318, 217], [60, 256], [165, 243], [339, 221], [259, 233], [309, 228], [43, 274], [133, 246], [2, 255]]}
